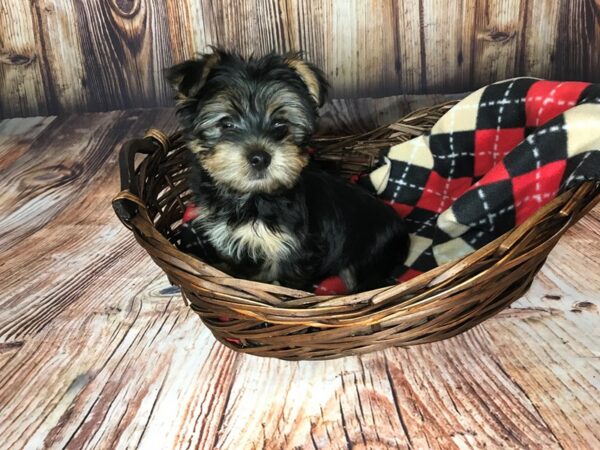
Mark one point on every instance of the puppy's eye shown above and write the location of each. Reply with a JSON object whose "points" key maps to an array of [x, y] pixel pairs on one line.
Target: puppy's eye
{"points": [[280, 129], [227, 123]]}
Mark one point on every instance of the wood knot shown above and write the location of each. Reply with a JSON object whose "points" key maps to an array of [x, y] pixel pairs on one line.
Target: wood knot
{"points": [[126, 8], [51, 176], [169, 291], [579, 306], [498, 36], [15, 59]]}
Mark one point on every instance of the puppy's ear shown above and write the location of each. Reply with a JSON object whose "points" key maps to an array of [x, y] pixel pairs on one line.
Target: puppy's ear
{"points": [[311, 76], [188, 77]]}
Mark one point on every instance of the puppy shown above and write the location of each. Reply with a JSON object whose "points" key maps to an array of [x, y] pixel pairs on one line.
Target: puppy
{"points": [[266, 212]]}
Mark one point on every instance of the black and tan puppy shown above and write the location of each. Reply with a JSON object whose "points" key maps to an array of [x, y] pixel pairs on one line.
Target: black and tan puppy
{"points": [[266, 212]]}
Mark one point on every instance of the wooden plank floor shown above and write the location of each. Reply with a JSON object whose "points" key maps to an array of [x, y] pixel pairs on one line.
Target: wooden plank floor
{"points": [[97, 351]]}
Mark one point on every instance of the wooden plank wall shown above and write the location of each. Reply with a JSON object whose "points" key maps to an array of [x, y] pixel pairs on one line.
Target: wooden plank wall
{"points": [[71, 55]]}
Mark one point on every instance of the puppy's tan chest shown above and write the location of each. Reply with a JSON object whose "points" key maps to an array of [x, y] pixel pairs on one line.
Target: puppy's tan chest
{"points": [[252, 239]]}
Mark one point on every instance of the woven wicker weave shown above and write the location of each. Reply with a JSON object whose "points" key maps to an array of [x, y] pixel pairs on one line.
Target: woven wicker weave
{"points": [[269, 320]]}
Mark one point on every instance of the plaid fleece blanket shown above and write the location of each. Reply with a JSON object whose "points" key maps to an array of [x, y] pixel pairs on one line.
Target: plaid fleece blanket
{"points": [[488, 164]]}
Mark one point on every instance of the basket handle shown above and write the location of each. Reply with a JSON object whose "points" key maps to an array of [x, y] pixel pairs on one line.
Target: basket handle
{"points": [[127, 202]]}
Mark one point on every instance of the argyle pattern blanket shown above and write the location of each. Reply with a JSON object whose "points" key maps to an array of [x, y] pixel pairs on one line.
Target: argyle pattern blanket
{"points": [[488, 164]]}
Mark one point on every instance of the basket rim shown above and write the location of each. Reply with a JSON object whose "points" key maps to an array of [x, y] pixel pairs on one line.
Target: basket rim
{"points": [[270, 320]]}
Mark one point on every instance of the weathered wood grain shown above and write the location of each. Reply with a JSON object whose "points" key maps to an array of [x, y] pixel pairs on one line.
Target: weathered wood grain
{"points": [[98, 351], [58, 56], [45, 219], [551, 347], [498, 39], [537, 56], [187, 29], [62, 60], [16, 137], [446, 38], [125, 46], [22, 89], [578, 38]]}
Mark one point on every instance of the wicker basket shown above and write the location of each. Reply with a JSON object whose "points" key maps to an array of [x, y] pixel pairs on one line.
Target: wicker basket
{"points": [[269, 320]]}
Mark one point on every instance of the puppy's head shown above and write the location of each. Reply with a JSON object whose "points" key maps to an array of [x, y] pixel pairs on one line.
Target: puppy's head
{"points": [[247, 120]]}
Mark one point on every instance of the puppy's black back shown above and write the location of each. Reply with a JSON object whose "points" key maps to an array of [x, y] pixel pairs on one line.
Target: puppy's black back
{"points": [[355, 229]]}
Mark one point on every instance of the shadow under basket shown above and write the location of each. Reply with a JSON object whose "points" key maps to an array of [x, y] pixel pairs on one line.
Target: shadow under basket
{"points": [[268, 320]]}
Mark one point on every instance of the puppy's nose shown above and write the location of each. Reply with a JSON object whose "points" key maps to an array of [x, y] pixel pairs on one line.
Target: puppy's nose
{"points": [[259, 159]]}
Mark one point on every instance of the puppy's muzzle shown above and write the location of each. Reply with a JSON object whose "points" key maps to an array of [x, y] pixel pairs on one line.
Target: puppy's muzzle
{"points": [[259, 159]]}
